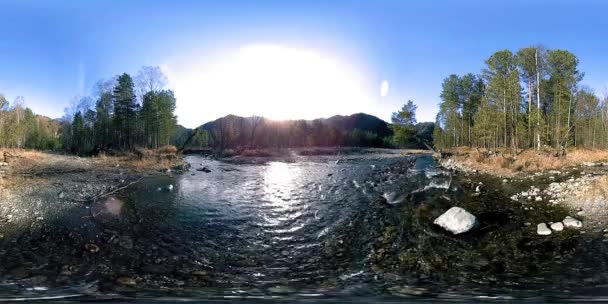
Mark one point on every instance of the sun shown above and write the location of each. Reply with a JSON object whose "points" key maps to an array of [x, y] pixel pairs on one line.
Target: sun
{"points": [[273, 81]]}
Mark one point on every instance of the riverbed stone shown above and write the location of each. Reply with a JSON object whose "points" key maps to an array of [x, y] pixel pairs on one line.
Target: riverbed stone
{"points": [[572, 222], [542, 229], [559, 226], [456, 220], [126, 281]]}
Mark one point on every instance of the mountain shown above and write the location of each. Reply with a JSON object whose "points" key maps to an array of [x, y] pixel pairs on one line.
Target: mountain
{"points": [[235, 131], [361, 121]]}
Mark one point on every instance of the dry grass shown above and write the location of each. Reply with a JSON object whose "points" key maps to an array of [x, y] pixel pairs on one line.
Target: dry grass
{"points": [[503, 163], [24, 161], [151, 160]]}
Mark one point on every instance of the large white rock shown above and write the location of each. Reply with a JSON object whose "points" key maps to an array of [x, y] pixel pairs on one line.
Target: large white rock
{"points": [[542, 229], [559, 226], [572, 222], [456, 220]]}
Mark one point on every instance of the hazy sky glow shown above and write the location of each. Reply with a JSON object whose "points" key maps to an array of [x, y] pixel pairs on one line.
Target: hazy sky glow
{"points": [[282, 59]]}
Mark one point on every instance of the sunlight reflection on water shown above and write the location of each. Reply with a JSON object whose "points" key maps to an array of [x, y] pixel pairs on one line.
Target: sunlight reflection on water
{"points": [[280, 180]]}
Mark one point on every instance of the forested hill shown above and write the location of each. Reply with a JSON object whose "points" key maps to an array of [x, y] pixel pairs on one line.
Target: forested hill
{"points": [[234, 131]]}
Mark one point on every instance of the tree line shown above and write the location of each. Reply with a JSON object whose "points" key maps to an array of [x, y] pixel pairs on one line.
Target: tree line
{"points": [[125, 113], [528, 99], [21, 128]]}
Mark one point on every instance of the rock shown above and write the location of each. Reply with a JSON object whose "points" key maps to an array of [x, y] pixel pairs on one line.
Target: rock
{"points": [[539, 199], [456, 220], [505, 180], [572, 222], [61, 194], [126, 281], [204, 169], [559, 226], [590, 164], [478, 189], [542, 229], [165, 189], [92, 248], [580, 213]]}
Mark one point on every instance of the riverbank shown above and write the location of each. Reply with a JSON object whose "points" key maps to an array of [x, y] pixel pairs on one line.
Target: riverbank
{"points": [[79, 178], [576, 181], [501, 163]]}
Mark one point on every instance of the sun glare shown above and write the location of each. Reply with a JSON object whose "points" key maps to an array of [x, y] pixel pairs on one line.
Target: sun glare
{"points": [[273, 81]]}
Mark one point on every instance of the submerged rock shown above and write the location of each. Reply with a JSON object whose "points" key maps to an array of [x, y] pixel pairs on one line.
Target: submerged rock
{"points": [[456, 220], [165, 189], [542, 229], [572, 222]]}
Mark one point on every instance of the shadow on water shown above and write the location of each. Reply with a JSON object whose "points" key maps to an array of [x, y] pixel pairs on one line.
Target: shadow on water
{"points": [[357, 230]]}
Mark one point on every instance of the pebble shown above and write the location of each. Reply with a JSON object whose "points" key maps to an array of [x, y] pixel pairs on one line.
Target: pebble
{"points": [[92, 248], [542, 229]]}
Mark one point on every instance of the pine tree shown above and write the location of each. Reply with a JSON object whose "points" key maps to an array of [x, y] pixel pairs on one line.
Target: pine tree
{"points": [[124, 111]]}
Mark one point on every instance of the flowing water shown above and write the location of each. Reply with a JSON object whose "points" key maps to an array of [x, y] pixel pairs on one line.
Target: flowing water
{"points": [[315, 227]]}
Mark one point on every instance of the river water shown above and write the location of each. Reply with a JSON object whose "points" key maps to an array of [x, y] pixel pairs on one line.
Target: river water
{"points": [[353, 227]]}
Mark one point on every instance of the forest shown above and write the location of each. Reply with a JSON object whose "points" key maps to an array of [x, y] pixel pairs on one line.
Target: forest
{"points": [[123, 113], [529, 99]]}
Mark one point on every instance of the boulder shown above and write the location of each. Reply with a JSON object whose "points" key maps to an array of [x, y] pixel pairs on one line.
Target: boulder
{"points": [[572, 222], [542, 229], [456, 220]]}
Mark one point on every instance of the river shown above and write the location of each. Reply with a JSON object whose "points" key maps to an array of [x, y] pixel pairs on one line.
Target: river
{"points": [[354, 227]]}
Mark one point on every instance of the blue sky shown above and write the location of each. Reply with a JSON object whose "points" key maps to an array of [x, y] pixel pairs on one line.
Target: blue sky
{"points": [[51, 51]]}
